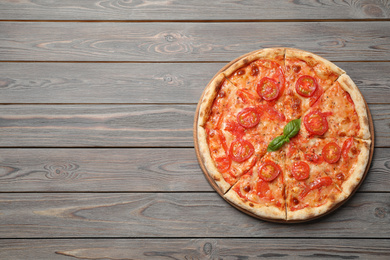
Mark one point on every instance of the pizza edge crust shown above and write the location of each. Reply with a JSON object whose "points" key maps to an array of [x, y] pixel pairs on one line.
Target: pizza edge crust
{"points": [[312, 212], [360, 106], [313, 60], [260, 210], [354, 180], [268, 53], [204, 151]]}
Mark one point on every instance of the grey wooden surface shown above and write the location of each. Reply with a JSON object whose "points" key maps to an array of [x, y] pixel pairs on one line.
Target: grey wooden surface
{"points": [[97, 103]]}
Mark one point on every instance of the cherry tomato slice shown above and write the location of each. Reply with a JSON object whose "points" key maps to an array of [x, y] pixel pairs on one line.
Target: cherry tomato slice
{"points": [[306, 86], [316, 123], [248, 117], [268, 89], [300, 170], [269, 170], [346, 147], [331, 152], [241, 150], [223, 163]]}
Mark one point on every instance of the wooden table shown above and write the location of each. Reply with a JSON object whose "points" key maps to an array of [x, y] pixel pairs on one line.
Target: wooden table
{"points": [[98, 98]]}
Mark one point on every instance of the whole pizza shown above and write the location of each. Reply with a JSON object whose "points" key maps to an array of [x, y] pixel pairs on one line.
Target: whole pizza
{"points": [[283, 134]]}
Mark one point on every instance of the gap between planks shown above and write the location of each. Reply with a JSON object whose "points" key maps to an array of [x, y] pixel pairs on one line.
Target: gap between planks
{"points": [[197, 238], [206, 21], [162, 62]]}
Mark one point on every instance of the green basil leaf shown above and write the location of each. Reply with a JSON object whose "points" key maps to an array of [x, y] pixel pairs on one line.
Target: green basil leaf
{"points": [[292, 128], [277, 143]]}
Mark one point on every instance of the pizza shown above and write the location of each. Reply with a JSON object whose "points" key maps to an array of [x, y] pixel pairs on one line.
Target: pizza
{"points": [[283, 134]]}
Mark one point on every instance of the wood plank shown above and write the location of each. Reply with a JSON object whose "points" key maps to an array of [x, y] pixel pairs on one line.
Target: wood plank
{"points": [[139, 82], [195, 249], [97, 125], [85, 170], [128, 170], [192, 9], [104, 82], [191, 215], [336, 41], [119, 125]]}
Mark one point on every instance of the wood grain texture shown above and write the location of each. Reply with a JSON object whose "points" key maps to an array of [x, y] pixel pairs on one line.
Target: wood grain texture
{"points": [[190, 215], [96, 170], [128, 170], [143, 82], [192, 9], [195, 249], [104, 82], [97, 125], [119, 125], [336, 41]]}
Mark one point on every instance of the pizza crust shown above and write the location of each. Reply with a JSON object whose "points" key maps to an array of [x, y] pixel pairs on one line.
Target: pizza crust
{"points": [[322, 67], [269, 53], [203, 114], [310, 213], [358, 171], [264, 211], [208, 98], [360, 106]]}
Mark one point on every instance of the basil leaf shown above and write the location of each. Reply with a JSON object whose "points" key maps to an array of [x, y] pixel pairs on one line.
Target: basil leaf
{"points": [[292, 128], [277, 143]]}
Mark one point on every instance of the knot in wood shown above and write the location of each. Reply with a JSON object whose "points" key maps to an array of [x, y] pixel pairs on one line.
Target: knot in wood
{"points": [[387, 164], [372, 10], [380, 212], [168, 78], [170, 38], [61, 171], [207, 248]]}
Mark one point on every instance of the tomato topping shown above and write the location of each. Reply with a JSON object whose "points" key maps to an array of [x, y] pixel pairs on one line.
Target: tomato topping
{"points": [[268, 89], [269, 171], [276, 114], [316, 123], [346, 147], [331, 152], [314, 158], [223, 163], [306, 86], [316, 95], [348, 97], [340, 176], [322, 181], [254, 70], [263, 190], [246, 96], [241, 150], [316, 184], [235, 129], [248, 117], [300, 170], [222, 140]]}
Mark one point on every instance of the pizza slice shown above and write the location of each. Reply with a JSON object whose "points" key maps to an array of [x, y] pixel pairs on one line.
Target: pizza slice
{"points": [[340, 112], [232, 134], [308, 76], [344, 159], [260, 83], [261, 191], [310, 192], [246, 73]]}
